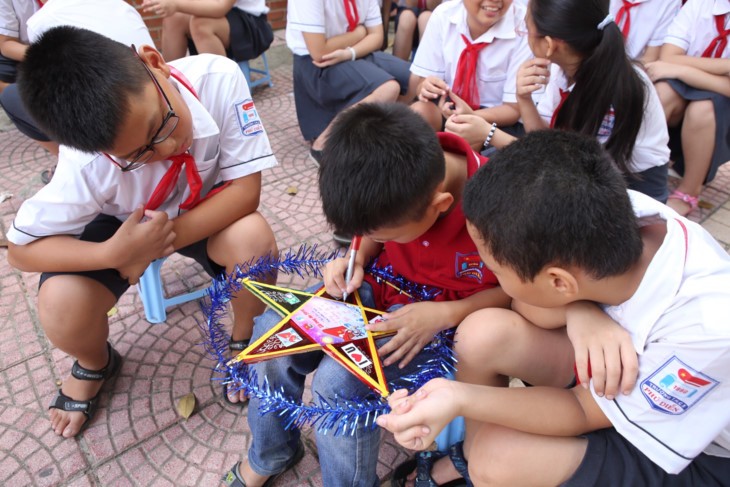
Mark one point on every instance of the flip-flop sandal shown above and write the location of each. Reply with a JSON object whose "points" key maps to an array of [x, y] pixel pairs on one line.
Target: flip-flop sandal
{"points": [[88, 407], [692, 201], [422, 463], [233, 478], [234, 346]]}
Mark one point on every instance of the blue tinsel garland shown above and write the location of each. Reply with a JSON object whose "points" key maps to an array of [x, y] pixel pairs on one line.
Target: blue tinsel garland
{"points": [[338, 415]]}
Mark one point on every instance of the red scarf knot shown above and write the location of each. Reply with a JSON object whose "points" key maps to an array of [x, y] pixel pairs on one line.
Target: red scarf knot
{"points": [[353, 18], [465, 81], [625, 10], [719, 43], [169, 181]]}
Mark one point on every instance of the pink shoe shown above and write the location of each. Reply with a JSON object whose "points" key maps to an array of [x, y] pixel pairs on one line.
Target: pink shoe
{"points": [[692, 201]]}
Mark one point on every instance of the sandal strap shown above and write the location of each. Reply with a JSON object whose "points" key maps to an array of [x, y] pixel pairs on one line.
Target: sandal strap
{"points": [[63, 402], [456, 454], [238, 345], [83, 373], [424, 464], [232, 478]]}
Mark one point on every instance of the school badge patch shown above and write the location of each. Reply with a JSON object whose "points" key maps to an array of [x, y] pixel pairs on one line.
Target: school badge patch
{"points": [[469, 266], [675, 387], [248, 118]]}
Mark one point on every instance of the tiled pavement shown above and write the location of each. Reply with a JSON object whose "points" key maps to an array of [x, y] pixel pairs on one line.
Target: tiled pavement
{"points": [[137, 438]]}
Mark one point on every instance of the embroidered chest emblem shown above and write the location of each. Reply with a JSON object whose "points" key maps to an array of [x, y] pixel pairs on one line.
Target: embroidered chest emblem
{"points": [[469, 266], [675, 387]]}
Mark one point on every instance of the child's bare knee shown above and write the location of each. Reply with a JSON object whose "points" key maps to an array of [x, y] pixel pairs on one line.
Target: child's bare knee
{"points": [[700, 115], [484, 332]]}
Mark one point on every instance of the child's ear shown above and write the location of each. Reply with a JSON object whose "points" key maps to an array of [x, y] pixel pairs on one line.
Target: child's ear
{"points": [[442, 201], [153, 59], [563, 281], [551, 46]]}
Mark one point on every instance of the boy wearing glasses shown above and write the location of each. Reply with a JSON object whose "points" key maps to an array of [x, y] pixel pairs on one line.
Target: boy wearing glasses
{"points": [[155, 158]]}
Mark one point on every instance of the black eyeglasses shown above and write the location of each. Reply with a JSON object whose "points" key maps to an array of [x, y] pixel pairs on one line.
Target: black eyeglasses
{"points": [[169, 123]]}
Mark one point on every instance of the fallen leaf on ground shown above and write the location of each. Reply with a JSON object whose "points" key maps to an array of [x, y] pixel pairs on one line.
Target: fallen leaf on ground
{"points": [[292, 190], [186, 405]]}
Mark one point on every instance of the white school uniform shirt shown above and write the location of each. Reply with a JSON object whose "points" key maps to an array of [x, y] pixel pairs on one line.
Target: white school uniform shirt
{"points": [[94, 15], [229, 142], [678, 322], [439, 50], [14, 15], [650, 148], [324, 17], [649, 23], [694, 27], [254, 7]]}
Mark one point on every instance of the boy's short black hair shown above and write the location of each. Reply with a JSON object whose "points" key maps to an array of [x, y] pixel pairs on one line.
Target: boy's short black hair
{"points": [[380, 166], [554, 198], [77, 85]]}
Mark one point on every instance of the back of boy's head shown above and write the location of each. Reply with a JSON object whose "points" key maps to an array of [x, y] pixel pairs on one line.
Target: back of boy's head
{"points": [[554, 198], [380, 166], [77, 85]]}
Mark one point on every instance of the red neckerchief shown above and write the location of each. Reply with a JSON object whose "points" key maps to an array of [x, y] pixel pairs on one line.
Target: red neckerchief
{"points": [[563, 96], [719, 43], [625, 10], [353, 18], [422, 4], [465, 81]]}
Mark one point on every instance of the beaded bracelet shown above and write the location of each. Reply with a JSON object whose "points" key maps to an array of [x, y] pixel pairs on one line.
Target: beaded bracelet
{"points": [[352, 51], [488, 141]]}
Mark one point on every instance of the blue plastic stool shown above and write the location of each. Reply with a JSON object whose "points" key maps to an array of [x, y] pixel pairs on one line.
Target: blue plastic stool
{"points": [[453, 432], [247, 70], [153, 294]]}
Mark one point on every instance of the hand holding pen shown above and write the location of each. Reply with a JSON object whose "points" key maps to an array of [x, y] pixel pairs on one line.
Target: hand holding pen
{"points": [[354, 247]]}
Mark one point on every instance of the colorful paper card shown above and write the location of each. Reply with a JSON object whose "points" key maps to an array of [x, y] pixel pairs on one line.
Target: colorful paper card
{"points": [[319, 321]]}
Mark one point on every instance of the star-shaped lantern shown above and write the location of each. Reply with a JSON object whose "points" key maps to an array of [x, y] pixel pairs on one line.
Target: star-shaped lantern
{"points": [[319, 321]]}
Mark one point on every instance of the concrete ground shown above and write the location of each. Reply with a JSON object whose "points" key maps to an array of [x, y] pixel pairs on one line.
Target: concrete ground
{"points": [[137, 437]]}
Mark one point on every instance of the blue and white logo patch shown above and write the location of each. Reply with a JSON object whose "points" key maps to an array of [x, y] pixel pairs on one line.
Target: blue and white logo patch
{"points": [[675, 387], [248, 118]]}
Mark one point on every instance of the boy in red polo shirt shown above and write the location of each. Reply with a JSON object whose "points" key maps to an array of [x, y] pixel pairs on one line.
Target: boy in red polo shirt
{"points": [[388, 177]]}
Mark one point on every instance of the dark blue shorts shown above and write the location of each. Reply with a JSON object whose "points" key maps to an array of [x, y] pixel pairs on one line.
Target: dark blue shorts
{"points": [[13, 106], [102, 228], [611, 461], [8, 69]]}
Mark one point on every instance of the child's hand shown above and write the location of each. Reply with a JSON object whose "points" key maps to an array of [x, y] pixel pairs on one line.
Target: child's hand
{"points": [[472, 128], [455, 106], [416, 420], [532, 76], [335, 57], [663, 70], [416, 324], [603, 345], [137, 243], [432, 88], [163, 8], [334, 277]]}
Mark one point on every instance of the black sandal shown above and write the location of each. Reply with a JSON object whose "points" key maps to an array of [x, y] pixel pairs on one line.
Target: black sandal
{"points": [[234, 346], [63, 402], [233, 478], [422, 463]]}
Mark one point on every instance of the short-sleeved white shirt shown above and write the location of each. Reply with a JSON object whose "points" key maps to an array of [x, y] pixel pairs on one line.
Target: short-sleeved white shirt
{"points": [[127, 26], [254, 7], [229, 142], [650, 148], [650, 20], [678, 321], [14, 15], [694, 26], [439, 50], [324, 17]]}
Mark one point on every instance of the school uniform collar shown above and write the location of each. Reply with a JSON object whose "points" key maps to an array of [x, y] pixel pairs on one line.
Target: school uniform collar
{"points": [[721, 7], [203, 123], [503, 29], [662, 279]]}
